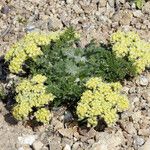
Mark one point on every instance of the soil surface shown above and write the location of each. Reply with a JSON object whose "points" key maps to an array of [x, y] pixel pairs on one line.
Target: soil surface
{"points": [[92, 19]]}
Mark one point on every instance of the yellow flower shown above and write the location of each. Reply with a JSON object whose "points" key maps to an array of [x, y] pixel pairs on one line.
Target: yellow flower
{"points": [[104, 100]]}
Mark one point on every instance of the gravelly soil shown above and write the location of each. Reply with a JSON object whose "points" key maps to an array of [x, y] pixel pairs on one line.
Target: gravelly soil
{"points": [[93, 19]]}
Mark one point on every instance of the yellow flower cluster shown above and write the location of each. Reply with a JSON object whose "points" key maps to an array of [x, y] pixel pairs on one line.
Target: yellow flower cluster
{"points": [[129, 46], [31, 93], [28, 47], [101, 100], [43, 115]]}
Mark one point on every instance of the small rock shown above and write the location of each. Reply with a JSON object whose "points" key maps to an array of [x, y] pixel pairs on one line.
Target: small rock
{"points": [[111, 3], [57, 124], [37, 145], [5, 9], [138, 25], [132, 90], [143, 81], [121, 1], [36, 1], [102, 3], [69, 1], [55, 145], [146, 8], [27, 139], [146, 22], [77, 145], [144, 132], [54, 23], [108, 141], [124, 17], [125, 90], [99, 146], [68, 116], [136, 116], [137, 13], [67, 147], [131, 129], [88, 9], [66, 141], [25, 147], [138, 141], [146, 146], [90, 141], [77, 9], [30, 28], [66, 132], [146, 95]]}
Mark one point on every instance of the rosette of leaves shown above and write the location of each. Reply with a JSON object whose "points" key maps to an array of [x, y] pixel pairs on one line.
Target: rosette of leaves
{"points": [[101, 100], [139, 3], [32, 98], [68, 67]]}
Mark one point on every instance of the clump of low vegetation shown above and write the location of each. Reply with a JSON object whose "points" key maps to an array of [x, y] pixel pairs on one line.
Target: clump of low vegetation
{"points": [[32, 99], [54, 64], [132, 49], [139, 3], [101, 100]]}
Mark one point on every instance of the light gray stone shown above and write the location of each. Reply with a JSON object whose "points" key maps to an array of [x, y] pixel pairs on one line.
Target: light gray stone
{"points": [[111, 3], [143, 81], [137, 13], [54, 23], [146, 146], [99, 146], [138, 141], [146, 8], [27, 139], [69, 1], [102, 3], [37, 145], [67, 147]]}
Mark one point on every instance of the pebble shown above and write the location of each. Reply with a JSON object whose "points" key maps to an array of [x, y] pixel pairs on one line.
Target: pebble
{"points": [[146, 8], [131, 129], [37, 145], [99, 146], [68, 116], [143, 81], [67, 147], [25, 147], [102, 3], [144, 132], [54, 23], [66, 132], [77, 145], [146, 146], [69, 1], [111, 3], [5, 9], [138, 141], [30, 28], [146, 95], [137, 13], [27, 139], [125, 90]]}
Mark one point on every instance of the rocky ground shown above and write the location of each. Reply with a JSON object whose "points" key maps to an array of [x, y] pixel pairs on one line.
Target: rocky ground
{"points": [[92, 19]]}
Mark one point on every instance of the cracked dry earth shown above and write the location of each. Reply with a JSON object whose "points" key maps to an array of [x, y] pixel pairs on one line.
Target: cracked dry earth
{"points": [[92, 19]]}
